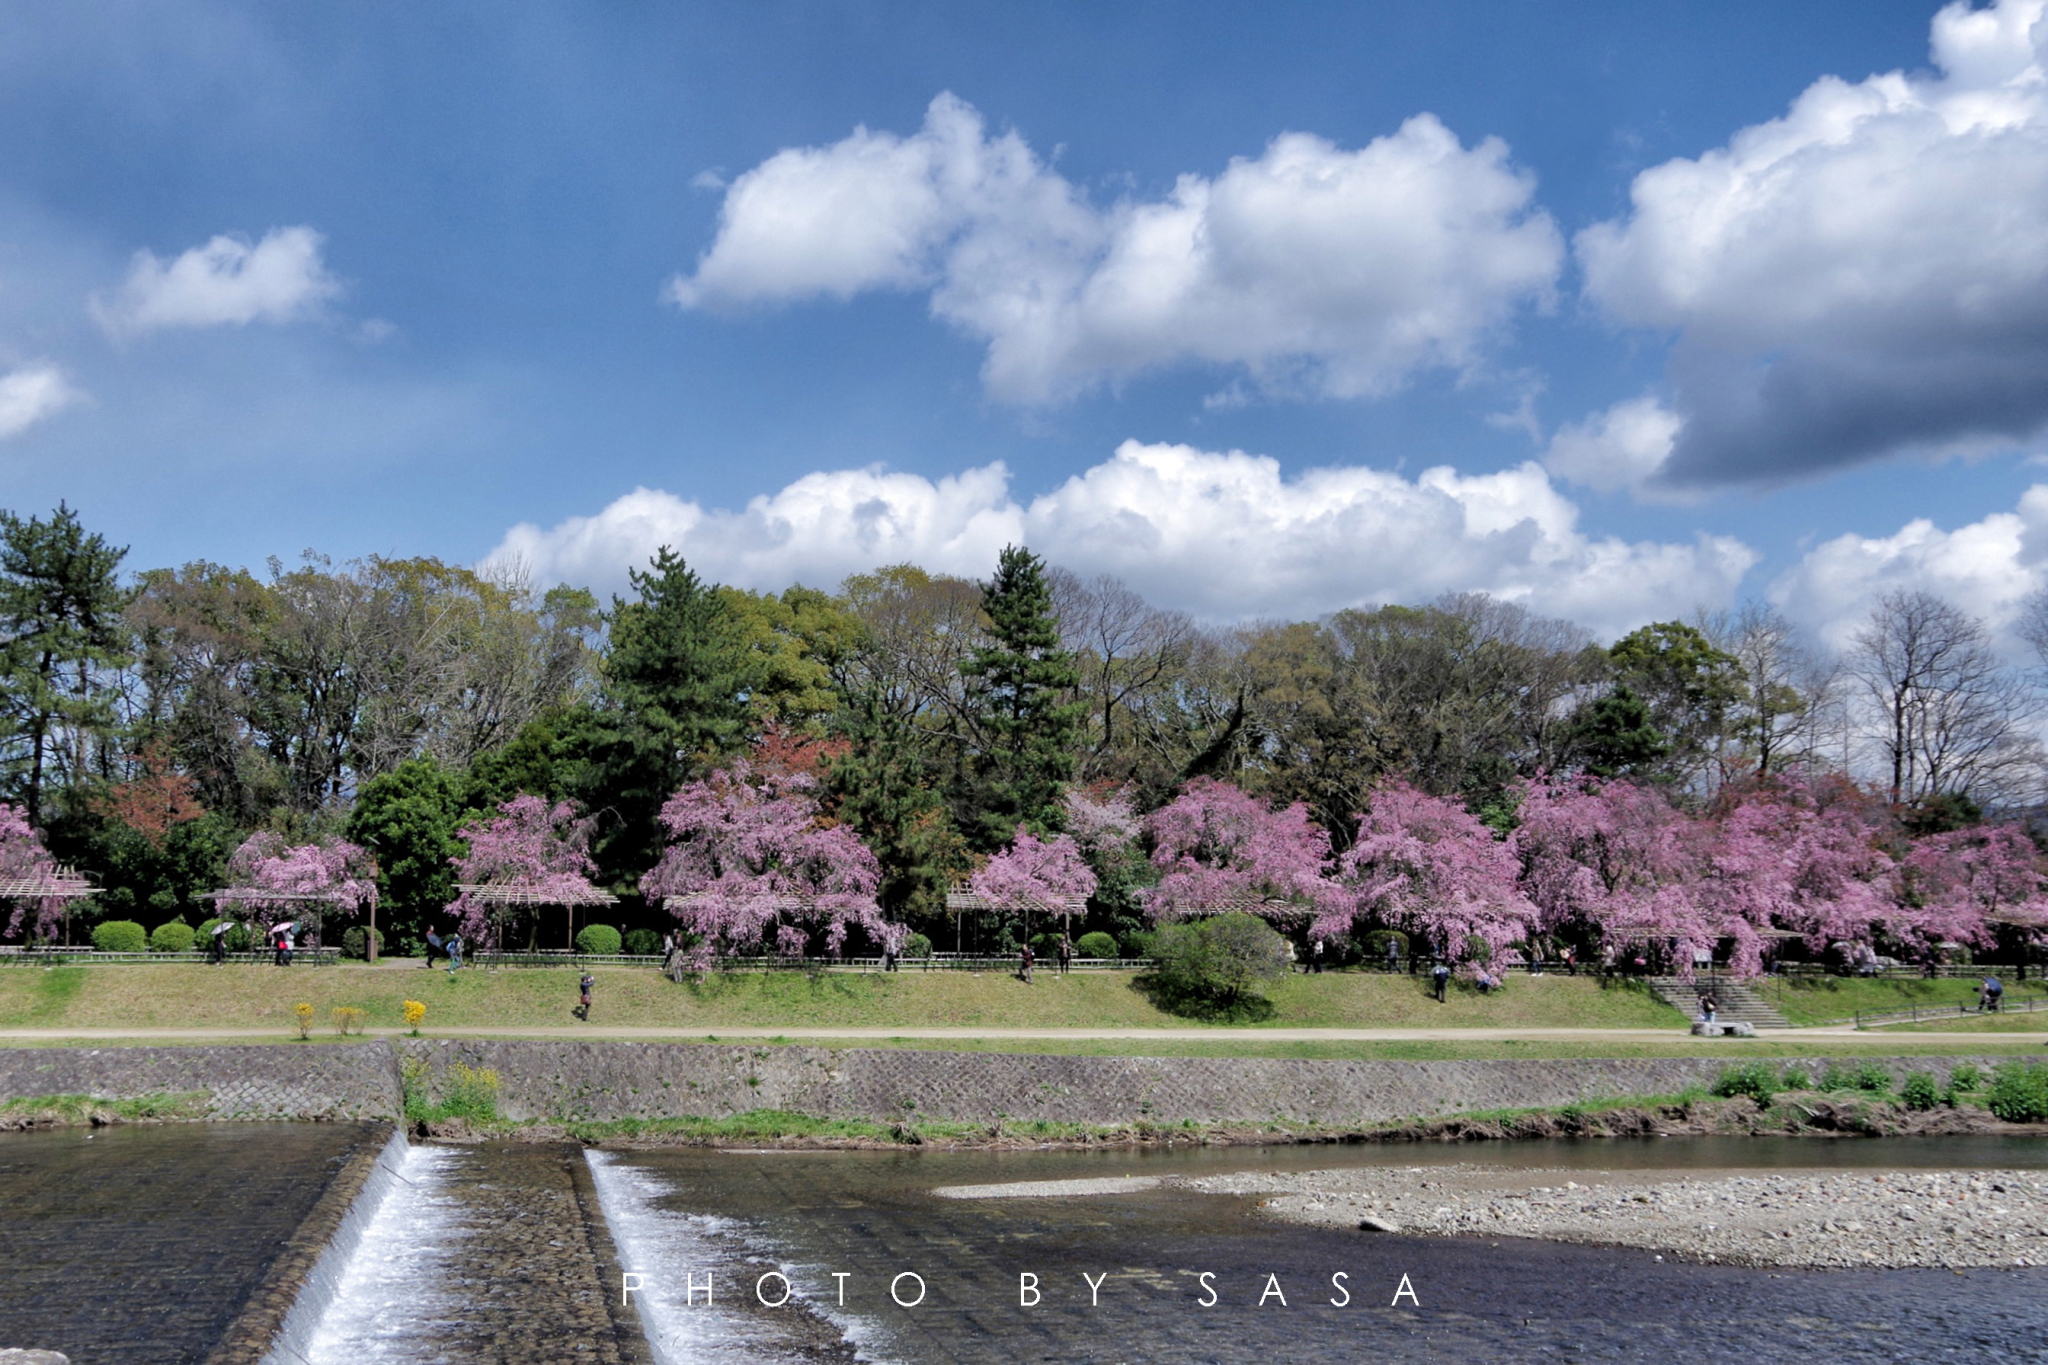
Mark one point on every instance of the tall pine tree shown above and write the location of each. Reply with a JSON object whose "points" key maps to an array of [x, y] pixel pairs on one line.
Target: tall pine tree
{"points": [[1022, 706], [60, 613]]}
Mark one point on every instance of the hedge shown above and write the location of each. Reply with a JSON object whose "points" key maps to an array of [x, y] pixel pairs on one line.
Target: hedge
{"points": [[175, 937], [120, 936], [598, 940]]}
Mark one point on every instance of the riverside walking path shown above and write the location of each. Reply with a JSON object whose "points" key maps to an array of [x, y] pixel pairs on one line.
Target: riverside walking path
{"points": [[743, 1033]]}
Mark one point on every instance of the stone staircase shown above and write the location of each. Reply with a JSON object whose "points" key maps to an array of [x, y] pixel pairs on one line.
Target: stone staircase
{"points": [[1738, 1003]]}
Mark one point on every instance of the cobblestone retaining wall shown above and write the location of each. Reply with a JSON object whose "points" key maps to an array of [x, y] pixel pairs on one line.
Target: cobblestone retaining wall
{"points": [[654, 1080], [311, 1081]]}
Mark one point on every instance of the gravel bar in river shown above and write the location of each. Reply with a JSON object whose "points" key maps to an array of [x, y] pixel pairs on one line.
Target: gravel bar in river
{"points": [[1889, 1219]]}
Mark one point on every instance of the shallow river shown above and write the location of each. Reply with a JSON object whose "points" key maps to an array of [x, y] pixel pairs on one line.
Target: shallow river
{"points": [[138, 1244], [1120, 1277]]}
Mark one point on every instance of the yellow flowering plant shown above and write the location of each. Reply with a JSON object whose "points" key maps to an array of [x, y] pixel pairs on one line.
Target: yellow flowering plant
{"points": [[302, 1014], [415, 1011]]}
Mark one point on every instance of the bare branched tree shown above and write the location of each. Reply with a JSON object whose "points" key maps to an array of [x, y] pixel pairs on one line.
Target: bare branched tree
{"points": [[1946, 715]]}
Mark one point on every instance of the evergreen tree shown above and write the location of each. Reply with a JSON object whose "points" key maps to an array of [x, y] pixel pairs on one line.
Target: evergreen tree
{"points": [[676, 688], [1022, 706], [885, 791], [1617, 735], [61, 633], [408, 818]]}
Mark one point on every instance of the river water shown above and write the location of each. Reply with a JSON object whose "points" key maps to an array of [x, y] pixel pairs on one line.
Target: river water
{"points": [[140, 1244], [1119, 1278]]}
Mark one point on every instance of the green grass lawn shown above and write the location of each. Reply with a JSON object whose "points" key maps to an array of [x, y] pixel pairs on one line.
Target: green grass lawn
{"points": [[1819, 1000], [240, 995]]}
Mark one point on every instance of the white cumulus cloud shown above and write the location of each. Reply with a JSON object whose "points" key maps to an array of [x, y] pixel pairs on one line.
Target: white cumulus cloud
{"points": [[1314, 268], [1864, 276], [1622, 447], [32, 393], [227, 282], [1225, 535], [1987, 567]]}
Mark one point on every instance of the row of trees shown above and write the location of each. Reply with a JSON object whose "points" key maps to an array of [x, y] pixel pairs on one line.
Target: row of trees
{"points": [[149, 724]]}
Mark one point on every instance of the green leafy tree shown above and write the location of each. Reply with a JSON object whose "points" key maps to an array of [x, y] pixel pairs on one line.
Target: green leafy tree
{"points": [[882, 787], [61, 617], [675, 696], [1616, 735], [1691, 688], [1021, 704], [408, 819], [793, 643], [1212, 968]]}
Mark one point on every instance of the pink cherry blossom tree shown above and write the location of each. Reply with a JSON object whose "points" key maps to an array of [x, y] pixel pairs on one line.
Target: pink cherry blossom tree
{"points": [[1428, 866], [1957, 885], [23, 856], [1218, 848], [751, 863], [539, 850], [1613, 860], [1034, 874], [1793, 856], [1102, 822], [299, 881]]}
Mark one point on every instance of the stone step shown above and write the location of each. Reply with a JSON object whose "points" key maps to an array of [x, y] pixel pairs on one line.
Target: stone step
{"points": [[1735, 1001]]}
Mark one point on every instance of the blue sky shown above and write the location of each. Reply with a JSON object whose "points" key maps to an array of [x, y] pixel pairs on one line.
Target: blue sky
{"points": [[457, 281]]}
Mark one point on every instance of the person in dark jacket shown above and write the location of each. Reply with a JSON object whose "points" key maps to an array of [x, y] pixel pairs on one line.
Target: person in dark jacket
{"points": [[583, 988], [1441, 975]]}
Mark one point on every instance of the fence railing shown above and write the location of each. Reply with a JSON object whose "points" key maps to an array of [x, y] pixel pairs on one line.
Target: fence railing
{"points": [[1914, 1014], [57, 957]]}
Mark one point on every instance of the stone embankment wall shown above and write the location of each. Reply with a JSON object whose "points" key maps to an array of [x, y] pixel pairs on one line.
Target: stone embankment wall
{"points": [[610, 1080], [313, 1081]]}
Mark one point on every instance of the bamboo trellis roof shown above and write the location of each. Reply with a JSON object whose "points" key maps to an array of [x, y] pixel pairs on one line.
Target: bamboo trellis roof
{"points": [[60, 883], [520, 893], [965, 897], [257, 893]]}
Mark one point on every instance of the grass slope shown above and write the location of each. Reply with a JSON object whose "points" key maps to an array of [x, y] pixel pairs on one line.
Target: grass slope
{"points": [[1817, 1001], [256, 996]]}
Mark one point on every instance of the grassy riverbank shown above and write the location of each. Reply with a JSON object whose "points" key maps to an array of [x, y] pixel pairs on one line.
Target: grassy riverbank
{"points": [[1817, 1000], [253, 996]]}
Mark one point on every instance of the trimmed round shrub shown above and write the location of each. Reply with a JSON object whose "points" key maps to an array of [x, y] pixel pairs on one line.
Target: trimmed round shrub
{"points": [[174, 937], [915, 945], [642, 942], [355, 942], [598, 940], [120, 936], [237, 936], [1097, 944], [1137, 944], [1478, 950]]}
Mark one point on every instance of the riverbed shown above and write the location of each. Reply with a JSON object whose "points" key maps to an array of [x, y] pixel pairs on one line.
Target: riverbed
{"points": [[140, 1244]]}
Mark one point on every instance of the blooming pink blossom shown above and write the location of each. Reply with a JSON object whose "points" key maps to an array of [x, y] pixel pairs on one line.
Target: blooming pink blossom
{"points": [[1220, 849], [302, 879], [1102, 822], [750, 861], [22, 855], [539, 849], [1958, 883], [1427, 866], [1035, 875]]}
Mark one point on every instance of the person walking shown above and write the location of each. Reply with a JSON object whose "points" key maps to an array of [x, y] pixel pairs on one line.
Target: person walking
{"points": [[1708, 1007], [435, 948], [1393, 954], [583, 993], [1441, 975], [454, 953], [1066, 951], [1024, 960], [217, 951], [1315, 957]]}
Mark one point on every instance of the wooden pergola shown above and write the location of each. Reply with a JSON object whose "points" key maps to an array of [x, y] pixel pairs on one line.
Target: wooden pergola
{"points": [[59, 883], [963, 898], [529, 894]]}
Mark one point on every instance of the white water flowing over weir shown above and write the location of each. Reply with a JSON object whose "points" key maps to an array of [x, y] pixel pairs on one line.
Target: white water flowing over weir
{"points": [[392, 1293], [665, 1248]]}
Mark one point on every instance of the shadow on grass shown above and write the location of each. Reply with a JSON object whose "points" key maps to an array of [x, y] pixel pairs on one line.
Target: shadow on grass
{"points": [[1209, 1007]]}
